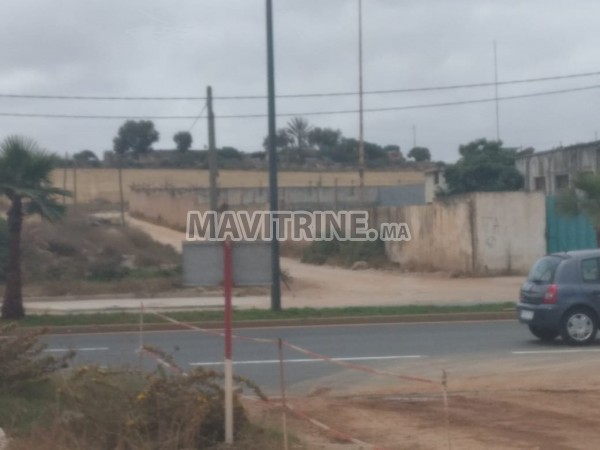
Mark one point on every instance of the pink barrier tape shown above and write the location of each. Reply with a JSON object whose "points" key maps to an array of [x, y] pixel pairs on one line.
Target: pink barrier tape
{"points": [[161, 361], [333, 432], [344, 364], [357, 366]]}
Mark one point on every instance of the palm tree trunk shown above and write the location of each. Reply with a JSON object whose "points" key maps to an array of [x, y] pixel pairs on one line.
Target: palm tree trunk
{"points": [[12, 307]]}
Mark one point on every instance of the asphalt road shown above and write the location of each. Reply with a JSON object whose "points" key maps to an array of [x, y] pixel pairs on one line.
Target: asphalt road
{"points": [[404, 348]]}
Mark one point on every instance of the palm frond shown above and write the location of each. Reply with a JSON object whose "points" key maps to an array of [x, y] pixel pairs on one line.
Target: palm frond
{"points": [[25, 171]]}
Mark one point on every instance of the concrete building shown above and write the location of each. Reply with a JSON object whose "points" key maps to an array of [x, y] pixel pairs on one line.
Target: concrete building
{"points": [[434, 180], [552, 170]]}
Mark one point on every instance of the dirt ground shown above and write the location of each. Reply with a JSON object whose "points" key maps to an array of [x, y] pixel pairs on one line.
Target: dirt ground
{"points": [[499, 405], [327, 286]]}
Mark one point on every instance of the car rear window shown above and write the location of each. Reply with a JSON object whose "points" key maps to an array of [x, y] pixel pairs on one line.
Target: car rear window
{"points": [[544, 269]]}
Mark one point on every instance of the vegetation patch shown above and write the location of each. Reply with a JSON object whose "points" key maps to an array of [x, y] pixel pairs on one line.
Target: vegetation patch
{"points": [[87, 255], [346, 253], [126, 318], [45, 405]]}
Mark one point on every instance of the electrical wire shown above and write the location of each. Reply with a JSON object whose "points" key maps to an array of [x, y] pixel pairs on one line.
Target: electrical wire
{"points": [[307, 95], [307, 113]]}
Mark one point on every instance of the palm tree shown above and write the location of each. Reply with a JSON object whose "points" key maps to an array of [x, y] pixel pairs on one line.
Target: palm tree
{"points": [[299, 128], [583, 197], [25, 172]]}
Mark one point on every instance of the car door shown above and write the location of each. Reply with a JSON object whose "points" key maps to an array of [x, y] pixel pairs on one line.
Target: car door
{"points": [[589, 269]]}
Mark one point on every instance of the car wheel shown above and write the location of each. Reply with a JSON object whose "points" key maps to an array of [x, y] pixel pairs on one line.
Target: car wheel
{"points": [[543, 333], [578, 326]]}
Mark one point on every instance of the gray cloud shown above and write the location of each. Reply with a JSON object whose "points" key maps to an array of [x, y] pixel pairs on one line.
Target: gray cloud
{"points": [[139, 47]]}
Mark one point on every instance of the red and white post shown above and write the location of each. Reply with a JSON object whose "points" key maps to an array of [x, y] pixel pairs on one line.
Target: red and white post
{"points": [[228, 281]]}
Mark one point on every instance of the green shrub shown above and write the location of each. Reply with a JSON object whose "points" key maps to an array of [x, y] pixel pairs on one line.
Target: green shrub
{"points": [[345, 253], [372, 252], [319, 252], [21, 360], [119, 409]]}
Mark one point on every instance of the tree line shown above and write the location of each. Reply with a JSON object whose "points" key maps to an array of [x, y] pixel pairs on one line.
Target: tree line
{"points": [[298, 144]]}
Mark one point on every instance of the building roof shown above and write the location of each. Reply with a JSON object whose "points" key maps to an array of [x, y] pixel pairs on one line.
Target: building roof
{"points": [[561, 149]]}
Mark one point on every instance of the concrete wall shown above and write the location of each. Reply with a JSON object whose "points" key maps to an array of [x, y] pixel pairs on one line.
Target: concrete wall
{"points": [[479, 233], [440, 232], [170, 206], [510, 231], [102, 184]]}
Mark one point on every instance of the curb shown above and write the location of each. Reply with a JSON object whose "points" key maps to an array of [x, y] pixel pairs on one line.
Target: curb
{"points": [[365, 320]]}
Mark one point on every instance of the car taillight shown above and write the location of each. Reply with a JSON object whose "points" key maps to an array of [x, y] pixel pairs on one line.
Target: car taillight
{"points": [[551, 295]]}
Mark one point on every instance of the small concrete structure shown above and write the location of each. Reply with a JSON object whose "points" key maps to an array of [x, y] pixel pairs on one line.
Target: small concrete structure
{"points": [[434, 181]]}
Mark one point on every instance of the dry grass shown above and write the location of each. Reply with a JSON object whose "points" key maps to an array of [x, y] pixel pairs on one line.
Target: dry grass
{"points": [[97, 408], [86, 255], [102, 183]]}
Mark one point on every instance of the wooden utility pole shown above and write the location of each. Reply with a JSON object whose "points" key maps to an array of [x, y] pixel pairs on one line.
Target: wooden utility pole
{"points": [[361, 137], [74, 181], [64, 197], [496, 92], [121, 195], [212, 152]]}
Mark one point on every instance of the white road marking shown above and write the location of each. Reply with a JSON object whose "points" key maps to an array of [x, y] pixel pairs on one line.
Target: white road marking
{"points": [[83, 349], [305, 360], [542, 352]]}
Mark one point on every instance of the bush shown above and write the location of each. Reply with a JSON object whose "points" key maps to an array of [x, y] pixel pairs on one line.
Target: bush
{"points": [[97, 408], [319, 252], [115, 409], [345, 253], [372, 252], [21, 362]]}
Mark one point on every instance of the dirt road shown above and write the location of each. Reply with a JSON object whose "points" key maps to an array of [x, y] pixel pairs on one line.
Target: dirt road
{"points": [[326, 286]]}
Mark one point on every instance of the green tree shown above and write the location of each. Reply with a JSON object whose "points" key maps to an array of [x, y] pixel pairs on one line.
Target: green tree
{"points": [[419, 154], [483, 166], [298, 128], [183, 140], [86, 158], [25, 172], [282, 140], [324, 138], [137, 136], [583, 197]]}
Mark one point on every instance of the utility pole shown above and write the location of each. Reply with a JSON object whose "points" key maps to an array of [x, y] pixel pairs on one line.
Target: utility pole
{"points": [[414, 130], [361, 137], [121, 195], [212, 158], [65, 161], [496, 92], [74, 181], [273, 200]]}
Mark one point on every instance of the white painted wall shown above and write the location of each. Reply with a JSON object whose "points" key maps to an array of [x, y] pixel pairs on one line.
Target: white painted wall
{"points": [[509, 231], [479, 233]]}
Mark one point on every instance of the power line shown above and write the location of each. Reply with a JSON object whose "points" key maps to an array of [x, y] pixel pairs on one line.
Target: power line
{"points": [[309, 113], [198, 117], [308, 95]]}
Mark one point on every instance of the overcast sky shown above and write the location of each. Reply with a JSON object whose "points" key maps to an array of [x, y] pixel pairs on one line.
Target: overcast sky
{"points": [[177, 48]]}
